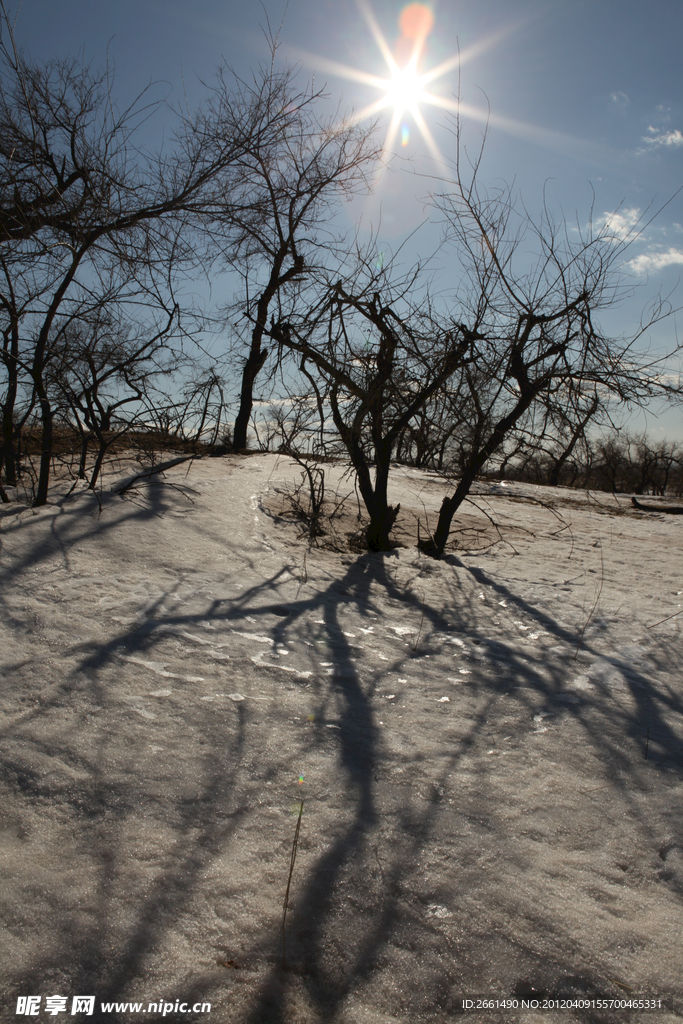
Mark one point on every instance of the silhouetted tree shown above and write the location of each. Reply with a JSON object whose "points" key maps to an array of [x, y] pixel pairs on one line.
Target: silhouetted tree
{"points": [[274, 227], [534, 316], [382, 358], [98, 369], [86, 214]]}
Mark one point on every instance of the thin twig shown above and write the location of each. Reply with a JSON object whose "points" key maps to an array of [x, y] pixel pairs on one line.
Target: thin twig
{"points": [[289, 882], [494, 524], [665, 619], [595, 604], [620, 984], [419, 632]]}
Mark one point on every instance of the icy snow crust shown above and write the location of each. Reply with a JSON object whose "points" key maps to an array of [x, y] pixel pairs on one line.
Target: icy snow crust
{"points": [[480, 818]]}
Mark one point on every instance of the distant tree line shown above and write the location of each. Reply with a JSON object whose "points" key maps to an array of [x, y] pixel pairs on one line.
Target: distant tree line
{"points": [[619, 462], [102, 242]]}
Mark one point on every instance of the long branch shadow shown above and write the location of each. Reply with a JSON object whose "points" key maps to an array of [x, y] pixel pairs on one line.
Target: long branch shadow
{"points": [[651, 703], [358, 754]]}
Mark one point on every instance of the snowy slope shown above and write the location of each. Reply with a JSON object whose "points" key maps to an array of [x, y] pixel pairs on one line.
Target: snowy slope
{"points": [[468, 737]]}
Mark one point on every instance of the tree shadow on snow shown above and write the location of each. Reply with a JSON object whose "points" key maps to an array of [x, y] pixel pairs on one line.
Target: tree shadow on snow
{"points": [[652, 702], [351, 903]]}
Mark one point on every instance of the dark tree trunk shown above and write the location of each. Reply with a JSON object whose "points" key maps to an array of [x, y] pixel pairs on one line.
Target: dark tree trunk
{"points": [[94, 476], [257, 355], [449, 506], [8, 457], [7, 454], [644, 474], [45, 452], [84, 457], [380, 526], [382, 514], [473, 466], [673, 510], [253, 366]]}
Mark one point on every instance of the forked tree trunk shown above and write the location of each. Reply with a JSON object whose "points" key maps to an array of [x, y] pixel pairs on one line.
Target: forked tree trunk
{"points": [[472, 467], [382, 514]]}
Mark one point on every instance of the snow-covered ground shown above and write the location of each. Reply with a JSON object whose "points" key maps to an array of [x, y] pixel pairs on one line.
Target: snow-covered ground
{"points": [[468, 736]]}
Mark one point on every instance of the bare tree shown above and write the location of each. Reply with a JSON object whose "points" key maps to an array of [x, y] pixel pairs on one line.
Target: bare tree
{"points": [[532, 296], [634, 463], [550, 443], [382, 358], [101, 368], [83, 207], [570, 424], [651, 462], [274, 228]]}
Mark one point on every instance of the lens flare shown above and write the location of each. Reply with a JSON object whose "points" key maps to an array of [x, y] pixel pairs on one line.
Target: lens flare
{"points": [[416, 21], [405, 89]]}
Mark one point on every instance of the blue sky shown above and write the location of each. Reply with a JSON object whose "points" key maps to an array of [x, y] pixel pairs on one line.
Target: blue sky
{"points": [[586, 99]]}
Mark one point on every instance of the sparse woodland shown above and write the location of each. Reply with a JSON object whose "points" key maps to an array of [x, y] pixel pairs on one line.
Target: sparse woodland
{"points": [[508, 373]]}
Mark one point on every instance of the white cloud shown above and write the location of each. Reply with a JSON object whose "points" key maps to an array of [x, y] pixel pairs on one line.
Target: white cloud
{"points": [[620, 99], [620, 223], [659, 138], [650, 262]]}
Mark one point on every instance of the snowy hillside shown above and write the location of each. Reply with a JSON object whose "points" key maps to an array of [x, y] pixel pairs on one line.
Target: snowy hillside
{"points": [[468, 736]]}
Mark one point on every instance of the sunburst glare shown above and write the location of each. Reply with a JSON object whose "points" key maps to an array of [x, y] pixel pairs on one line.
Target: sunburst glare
{"points": [[405, 89]]}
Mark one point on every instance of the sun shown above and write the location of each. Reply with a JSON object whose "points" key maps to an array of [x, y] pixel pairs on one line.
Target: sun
{"points": [[404, 89]]}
